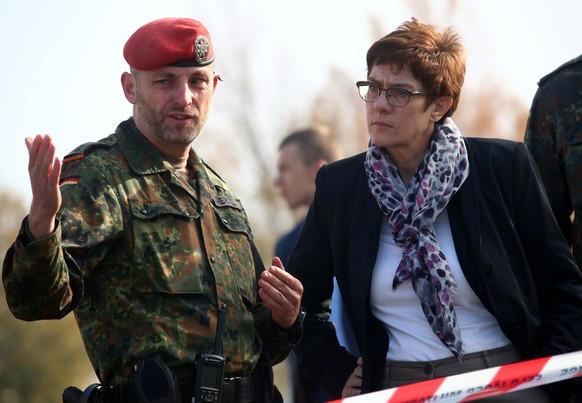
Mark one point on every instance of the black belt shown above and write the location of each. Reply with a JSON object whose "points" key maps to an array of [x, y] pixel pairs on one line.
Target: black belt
{"points": [[237, 389]]}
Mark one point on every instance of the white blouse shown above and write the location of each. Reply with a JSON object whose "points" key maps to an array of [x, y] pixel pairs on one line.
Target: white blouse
{"points": [[411, 337]]}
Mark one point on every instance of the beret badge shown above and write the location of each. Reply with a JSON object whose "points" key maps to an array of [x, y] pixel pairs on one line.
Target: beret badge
{"points": [[201, 49]]}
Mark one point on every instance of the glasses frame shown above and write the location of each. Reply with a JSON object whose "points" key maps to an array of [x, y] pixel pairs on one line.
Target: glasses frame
{"points": [[406, 91]]}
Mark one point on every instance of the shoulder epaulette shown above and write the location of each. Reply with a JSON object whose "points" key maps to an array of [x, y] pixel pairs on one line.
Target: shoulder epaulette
{"points": [[84, 149], [564, 66], [212, 170]]}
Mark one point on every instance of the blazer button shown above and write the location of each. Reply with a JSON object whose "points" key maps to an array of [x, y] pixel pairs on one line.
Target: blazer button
{"points": [[428, 369]]}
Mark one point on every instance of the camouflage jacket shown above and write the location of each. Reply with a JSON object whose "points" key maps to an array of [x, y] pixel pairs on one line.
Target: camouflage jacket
{"points": [[144, 259], [554, 138]]}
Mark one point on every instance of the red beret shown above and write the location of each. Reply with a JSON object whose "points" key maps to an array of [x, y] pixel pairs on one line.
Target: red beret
{"points": [[169, 42]]}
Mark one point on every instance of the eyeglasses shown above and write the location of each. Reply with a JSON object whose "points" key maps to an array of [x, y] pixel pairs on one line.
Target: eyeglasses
{"points": [[399, 97]]}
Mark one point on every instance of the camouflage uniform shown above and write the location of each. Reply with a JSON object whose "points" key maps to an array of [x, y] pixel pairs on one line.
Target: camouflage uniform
{"points": [[554, 138], [144, 259]]}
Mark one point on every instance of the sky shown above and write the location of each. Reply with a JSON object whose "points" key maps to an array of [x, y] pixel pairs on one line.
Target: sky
{"points": [[62, 59]]}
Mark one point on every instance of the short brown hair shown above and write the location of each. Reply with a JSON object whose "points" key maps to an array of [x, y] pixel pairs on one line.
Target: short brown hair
{"points": [[314, 143], [436, 59]]}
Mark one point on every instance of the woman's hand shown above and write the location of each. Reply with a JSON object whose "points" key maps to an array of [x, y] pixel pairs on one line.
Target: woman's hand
{"points": [[353, 386]]}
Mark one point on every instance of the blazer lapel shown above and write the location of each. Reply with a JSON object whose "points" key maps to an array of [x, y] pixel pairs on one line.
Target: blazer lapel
{"points": [[369, 235], [465, 220]]}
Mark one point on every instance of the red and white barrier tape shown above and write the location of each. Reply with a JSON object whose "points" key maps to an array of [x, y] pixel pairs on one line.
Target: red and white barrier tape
{"points": [[480, 384]]}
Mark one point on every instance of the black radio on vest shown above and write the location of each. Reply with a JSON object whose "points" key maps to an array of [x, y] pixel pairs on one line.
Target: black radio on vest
{"points": [[210, 367]]}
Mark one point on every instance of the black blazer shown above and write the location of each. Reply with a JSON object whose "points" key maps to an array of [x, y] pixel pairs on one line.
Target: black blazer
{"points": [[507, 240]]}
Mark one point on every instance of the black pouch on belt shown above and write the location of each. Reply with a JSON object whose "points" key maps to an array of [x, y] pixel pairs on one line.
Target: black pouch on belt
{"points": [[264, 390], [154, 382]]}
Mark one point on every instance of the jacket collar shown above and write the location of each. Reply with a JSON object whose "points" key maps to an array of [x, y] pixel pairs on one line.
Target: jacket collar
{"points": [[142, 156]]}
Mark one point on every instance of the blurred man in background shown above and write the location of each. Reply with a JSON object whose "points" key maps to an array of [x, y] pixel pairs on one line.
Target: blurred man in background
{"points": [[301, 154]]}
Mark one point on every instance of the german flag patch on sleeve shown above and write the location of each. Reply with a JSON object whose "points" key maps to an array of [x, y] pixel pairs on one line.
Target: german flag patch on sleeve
{"points": [[69, 180]]}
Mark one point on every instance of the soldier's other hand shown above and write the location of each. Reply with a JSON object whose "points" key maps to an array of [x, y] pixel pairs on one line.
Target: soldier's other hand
{"points": [[281, 292]]}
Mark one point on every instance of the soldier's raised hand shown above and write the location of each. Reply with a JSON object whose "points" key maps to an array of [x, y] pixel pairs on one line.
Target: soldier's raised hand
{"points": [[44, 169]]}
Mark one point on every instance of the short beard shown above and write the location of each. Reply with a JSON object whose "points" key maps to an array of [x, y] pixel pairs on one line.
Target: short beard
{"points": [[154, 120]]}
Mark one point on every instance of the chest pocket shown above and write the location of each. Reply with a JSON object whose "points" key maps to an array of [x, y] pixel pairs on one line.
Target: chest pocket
{"points": [[236, 242], [167, 254]]}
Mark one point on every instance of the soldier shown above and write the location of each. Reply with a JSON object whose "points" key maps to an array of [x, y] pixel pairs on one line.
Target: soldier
{"points": [[554, 138], [146, 244]]}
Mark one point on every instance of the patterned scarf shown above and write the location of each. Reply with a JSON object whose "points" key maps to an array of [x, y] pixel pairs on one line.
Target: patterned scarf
{"points": [[412, 212]]}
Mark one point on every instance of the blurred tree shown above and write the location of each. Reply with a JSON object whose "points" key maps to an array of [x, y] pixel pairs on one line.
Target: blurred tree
{"points": [[491, 111], [343, 112], [38, 359]]}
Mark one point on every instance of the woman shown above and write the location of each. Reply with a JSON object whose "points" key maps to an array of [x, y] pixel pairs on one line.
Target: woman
{"points": [[444, 248]]}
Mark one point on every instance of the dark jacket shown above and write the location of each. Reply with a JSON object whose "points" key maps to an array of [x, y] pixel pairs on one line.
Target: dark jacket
{"points": [[507, 240]]}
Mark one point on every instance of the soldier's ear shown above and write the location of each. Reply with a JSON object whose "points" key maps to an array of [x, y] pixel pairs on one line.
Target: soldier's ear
{"points": [[129, 85]]}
